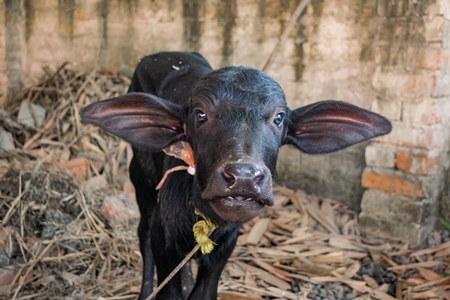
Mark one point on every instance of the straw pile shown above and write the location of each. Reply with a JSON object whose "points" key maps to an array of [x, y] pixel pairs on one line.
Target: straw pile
{"points": [[57, 240]]}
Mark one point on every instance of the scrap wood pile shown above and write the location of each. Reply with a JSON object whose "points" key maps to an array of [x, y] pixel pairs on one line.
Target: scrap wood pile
{"points": [[68, 219]]}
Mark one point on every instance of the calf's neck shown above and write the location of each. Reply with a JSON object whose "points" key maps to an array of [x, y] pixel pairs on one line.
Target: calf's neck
{"points": [[235, 119]]}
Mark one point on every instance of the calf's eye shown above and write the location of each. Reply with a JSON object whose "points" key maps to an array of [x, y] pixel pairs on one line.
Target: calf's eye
{"points": [[278, 120], [201, 116]]}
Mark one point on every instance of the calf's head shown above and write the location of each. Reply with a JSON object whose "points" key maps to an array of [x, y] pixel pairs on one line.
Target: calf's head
{"points": [[236, 120]]}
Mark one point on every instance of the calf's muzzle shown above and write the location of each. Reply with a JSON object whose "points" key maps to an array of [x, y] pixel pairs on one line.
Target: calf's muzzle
{"points": [[238, 191]]}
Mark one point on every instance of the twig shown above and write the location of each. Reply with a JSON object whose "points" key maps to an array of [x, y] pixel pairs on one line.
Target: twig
{"points": [[31, 264], [175, 271], [16, 200], [300, 8], [47, 81]]}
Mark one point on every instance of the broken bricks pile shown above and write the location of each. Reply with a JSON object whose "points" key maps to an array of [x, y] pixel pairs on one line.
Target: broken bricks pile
{"points": [[68, 219]]}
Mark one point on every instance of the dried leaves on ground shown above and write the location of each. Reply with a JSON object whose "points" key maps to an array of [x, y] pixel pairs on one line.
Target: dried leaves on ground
{"points": [[68, 219]]}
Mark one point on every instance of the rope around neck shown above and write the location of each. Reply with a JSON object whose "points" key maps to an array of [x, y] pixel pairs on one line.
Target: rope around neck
{"points": [[201, 230]]}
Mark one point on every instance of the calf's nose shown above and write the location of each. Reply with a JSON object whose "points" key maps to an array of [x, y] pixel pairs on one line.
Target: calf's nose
{"points": [[241, 180], [245, 174]]}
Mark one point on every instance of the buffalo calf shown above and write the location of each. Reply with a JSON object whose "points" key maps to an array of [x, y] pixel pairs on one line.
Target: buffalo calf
{"points": [[235, 119]]}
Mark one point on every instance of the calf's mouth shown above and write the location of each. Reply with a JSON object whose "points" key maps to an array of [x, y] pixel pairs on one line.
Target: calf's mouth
{"points": [[240, 208]]}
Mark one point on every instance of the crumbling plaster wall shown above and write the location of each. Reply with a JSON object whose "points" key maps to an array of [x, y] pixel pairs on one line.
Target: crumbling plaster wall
{"points": [[353, 50], [324, 58], [407, 171]]}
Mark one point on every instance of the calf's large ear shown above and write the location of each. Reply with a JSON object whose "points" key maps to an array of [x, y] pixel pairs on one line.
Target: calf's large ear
{"points": [[145, 121], [329, 126]]}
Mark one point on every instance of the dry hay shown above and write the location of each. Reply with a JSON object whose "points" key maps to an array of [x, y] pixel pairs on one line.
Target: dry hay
{"points": [[55, 243]]}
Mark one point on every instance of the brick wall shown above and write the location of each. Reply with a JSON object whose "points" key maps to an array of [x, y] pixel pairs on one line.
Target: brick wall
{"points": [[388, 56], [13, 18], [336, 47], [406, 170], [3, 82]]}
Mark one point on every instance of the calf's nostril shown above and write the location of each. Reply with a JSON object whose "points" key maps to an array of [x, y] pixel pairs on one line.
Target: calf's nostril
{"points": [[230, 178], [259, 178]]}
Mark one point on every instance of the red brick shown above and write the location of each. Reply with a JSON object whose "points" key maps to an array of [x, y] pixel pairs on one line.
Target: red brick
{"points": [[111, 70], [120, 209], [420, 164], [78, 167], [391, 184], [403, 161], [83, 15]]}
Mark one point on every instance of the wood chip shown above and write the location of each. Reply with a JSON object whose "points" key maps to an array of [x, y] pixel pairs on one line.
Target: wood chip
{"points": [[370, 281], [275, 271], [237, 296], [266, 276], [283, 293], [353, 269], [427, 264], [343, 243], [428, 274], [257, 231]]}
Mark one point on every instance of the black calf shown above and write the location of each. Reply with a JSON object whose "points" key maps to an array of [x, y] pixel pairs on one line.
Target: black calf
{"points": [[235, 120]]}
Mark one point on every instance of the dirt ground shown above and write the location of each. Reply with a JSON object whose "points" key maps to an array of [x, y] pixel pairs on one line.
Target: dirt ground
{"points": [[68, 219]]}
